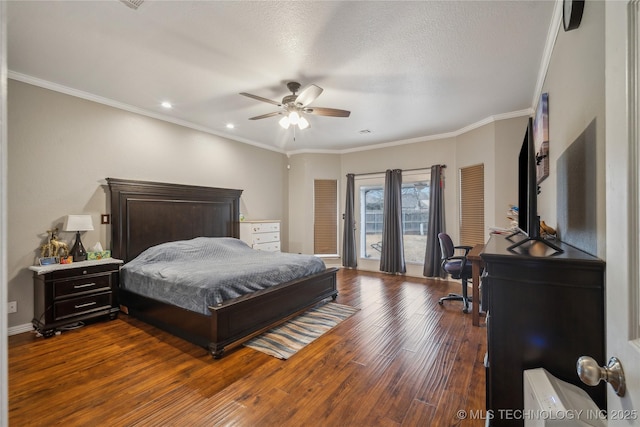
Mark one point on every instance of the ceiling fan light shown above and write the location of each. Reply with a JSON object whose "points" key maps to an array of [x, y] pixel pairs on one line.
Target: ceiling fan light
{"points": [[303, 123], [284, 122], [294, 117]]}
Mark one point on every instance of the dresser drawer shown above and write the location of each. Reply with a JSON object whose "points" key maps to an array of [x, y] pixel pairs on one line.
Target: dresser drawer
{"points": [[82, 305], [265, 238], [80, 285], [268, 247], [265, 227]]}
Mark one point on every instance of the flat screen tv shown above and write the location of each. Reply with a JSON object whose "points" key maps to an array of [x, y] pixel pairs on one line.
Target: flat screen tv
{"points": [[528, 221], [527, 195]]}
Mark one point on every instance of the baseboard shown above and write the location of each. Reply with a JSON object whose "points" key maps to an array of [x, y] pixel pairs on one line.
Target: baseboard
{"points": [[331, 262], [15, 330]]}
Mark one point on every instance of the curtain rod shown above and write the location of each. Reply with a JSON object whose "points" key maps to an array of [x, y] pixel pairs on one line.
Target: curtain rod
{"points": [[403, 170]]}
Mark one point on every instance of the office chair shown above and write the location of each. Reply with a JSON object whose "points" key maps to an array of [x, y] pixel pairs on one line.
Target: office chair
{"points": [[457, 267]]}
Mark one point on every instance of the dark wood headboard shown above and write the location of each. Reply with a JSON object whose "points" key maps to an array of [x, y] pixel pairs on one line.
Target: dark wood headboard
{"points": [[144, 214]]}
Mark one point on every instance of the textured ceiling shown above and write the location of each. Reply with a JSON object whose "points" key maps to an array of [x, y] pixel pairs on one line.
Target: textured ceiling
{"points": [[405, 70]]}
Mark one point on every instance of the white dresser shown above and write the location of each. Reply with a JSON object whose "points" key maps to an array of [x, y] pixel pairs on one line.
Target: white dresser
{"points": [[261, 235]]}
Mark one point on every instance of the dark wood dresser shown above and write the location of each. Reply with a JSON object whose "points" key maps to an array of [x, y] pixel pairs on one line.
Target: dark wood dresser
{"points": [[544, 310], [68, 293]]}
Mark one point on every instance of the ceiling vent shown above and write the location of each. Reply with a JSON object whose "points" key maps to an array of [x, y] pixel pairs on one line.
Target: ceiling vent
{"points": [[133, 4]]}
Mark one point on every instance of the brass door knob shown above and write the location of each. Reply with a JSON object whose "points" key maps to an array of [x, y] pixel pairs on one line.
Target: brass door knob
{"points": [[591, 373]]}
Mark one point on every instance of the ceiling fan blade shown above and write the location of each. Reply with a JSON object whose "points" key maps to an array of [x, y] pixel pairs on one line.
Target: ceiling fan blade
{"points": [[331, 112], [259, 98], [264, 116], [308, 95]]}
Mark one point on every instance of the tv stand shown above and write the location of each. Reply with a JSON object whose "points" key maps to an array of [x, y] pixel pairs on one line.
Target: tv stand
{"points": [[515, 233], [556, 248], [533, 236]]}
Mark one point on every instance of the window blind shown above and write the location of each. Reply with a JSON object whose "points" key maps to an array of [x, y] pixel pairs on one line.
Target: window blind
{"points": [[325, 225], [472, 205]]}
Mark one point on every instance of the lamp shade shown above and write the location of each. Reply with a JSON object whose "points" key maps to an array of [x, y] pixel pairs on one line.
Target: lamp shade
{"points": [[294, 117], [303, 123], [284, 122], [78, 223]]}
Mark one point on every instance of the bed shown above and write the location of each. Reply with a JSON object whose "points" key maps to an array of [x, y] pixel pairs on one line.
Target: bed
{"points": [[146, 214]]}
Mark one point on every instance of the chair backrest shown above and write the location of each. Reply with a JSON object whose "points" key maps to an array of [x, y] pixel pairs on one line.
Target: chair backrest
{"points": [[446, 246]]}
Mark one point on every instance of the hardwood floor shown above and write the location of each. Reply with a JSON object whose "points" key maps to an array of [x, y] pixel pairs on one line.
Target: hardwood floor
{"points": [[402, 360]]}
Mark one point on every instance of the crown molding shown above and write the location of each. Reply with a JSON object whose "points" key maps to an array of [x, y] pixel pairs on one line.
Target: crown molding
{"points": [[454, 134], [552, 36]]}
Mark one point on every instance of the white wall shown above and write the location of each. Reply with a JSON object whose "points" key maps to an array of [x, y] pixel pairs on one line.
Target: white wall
{"points": [[509, 135], [474, 148], [61, 148], [576, 86], [304, 169]]}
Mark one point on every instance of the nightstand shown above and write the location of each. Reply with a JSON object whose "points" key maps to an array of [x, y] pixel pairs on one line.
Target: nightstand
{"points": [[65, 294]]}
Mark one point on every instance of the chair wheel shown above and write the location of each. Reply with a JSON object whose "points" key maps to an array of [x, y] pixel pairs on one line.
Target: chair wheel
{"points": [[441, 302], [465, 310]]}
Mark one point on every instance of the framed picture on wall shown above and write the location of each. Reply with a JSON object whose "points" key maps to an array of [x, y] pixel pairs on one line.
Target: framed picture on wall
{"points": [[541, 138]]}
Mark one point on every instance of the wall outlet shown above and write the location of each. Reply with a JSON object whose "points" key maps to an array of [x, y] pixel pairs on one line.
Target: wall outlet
{"points": [[12, 307]]}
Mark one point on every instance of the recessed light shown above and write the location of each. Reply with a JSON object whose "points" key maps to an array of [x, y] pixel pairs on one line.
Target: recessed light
{"points": [[230, 126], [166, 104]]}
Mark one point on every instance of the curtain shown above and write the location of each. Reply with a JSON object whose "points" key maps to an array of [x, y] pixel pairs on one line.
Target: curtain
{"points": [[392, 256], [349, 256], [432, 259]]}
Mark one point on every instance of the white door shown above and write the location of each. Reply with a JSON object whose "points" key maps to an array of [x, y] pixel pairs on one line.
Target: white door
{"points": [[4, 388], [622, 50]]}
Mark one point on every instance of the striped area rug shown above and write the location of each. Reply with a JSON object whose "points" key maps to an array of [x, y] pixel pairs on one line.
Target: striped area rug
{"points": [[285, 340]]}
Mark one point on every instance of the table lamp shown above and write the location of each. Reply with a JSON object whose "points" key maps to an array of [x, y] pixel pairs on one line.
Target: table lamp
{"points": [[78, 223]]}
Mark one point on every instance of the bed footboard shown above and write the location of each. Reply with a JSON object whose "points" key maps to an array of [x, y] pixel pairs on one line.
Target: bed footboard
{"points": [[244, 317]]}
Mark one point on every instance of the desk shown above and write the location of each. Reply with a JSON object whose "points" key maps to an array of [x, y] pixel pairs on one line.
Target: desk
{"points": [[476, 269]]}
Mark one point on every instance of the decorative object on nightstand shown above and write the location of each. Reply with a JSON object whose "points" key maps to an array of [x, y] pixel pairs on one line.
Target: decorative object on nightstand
{"points": [[53, 246], [97, 252], [78, 223], [65, 294]]}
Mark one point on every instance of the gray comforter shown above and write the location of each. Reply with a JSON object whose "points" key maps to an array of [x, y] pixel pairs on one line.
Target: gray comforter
{"points": [[202, 272]]}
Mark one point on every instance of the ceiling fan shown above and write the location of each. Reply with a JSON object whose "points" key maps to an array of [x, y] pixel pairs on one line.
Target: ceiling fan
{"points": [[294, 106]]}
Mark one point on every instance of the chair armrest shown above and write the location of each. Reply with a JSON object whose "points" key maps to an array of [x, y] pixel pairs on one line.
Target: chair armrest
{"points": [[464, 247], [462, 259]]}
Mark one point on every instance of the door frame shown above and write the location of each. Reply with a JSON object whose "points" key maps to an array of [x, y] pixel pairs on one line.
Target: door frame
{"points": [[622, 49]]}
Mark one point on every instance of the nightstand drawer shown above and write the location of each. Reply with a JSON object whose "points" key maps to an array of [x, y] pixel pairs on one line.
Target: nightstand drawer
{"points": [[71, 271], [81, 305], [80, 285]]}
